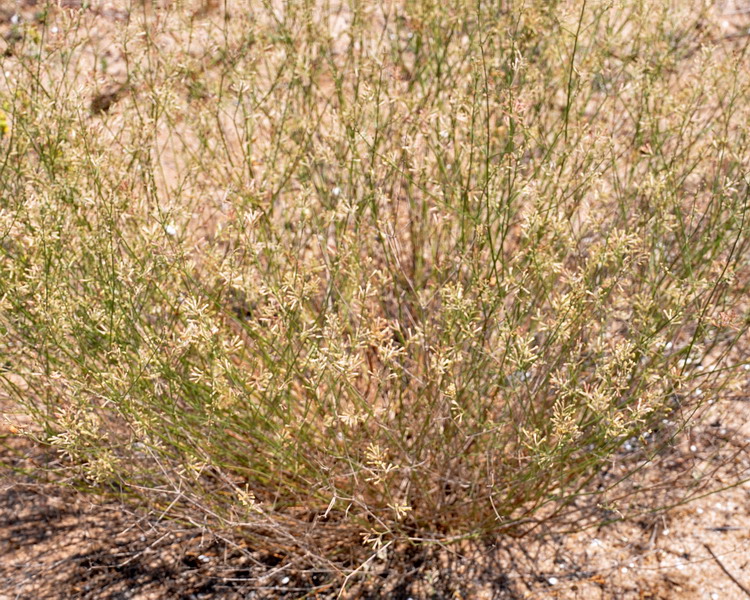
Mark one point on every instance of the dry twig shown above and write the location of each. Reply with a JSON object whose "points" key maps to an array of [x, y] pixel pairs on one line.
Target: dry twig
{"points": [[726, 571]]}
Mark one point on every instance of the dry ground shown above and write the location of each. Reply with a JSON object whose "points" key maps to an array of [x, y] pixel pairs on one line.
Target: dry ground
{"points": [[57, 543]]}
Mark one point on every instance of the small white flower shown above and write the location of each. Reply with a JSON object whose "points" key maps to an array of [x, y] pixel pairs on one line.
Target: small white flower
{"points": [[170, 230], [699, 392], [15, 19], [54, 29], [668, 346]]}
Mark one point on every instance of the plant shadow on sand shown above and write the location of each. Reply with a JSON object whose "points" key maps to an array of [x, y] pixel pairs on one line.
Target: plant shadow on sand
{"points": [[57, 543]]}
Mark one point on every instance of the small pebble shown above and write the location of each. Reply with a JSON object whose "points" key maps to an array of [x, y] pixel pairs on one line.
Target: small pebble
{"points": [[170, 229], [336, 191], [693, 448], [553, 580], [285, 581]]}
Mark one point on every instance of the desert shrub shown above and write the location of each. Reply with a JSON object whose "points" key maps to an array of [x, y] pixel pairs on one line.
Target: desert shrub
{"points": [[401, 270]]}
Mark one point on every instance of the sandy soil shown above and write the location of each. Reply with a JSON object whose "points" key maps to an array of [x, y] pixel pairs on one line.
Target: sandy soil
{"points": [[56, 543]]}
